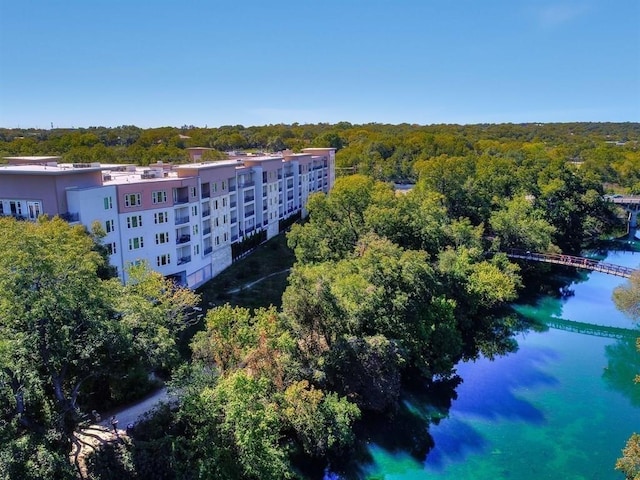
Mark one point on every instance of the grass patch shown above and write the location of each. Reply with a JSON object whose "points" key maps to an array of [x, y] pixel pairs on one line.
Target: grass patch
{"points": [[233, 285]]}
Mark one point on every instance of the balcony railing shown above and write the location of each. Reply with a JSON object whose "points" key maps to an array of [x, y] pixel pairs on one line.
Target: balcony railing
{"points": [[183, 260], [249, 213], [206, 194], [206, 231], [180, 200], [249, 199], [233, 204], [234, 220], [232, 188], [247, 184], [208, 250], [183, 239], [206, 213], [181, 220]]}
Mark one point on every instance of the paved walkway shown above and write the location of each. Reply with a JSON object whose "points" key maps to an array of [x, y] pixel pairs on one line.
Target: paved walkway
{"points": [[251, 284], [91, 437]]}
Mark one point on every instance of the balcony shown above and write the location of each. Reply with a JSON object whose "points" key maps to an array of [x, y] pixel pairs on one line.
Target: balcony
{"points": [[179, 200], [249, 213], [234, 220], [206, 213], [69, 217], [183, 239], [206, 231], [247, 184], [183, 260], [249, 198], [232, 188], [181, 220], [206, 194], [208, 250]]}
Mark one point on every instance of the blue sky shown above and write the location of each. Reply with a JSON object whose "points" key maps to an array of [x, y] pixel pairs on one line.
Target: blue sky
{"points": [[220, 62]]}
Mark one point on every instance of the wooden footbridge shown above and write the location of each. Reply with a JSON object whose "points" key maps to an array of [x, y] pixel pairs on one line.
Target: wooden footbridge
{"points": [[572, 261]]}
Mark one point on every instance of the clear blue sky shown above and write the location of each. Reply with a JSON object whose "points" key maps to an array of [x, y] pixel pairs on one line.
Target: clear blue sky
{"points": [[254, 62]]}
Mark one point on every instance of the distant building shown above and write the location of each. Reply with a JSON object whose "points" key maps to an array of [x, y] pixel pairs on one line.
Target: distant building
{"points": [[183, 219]]}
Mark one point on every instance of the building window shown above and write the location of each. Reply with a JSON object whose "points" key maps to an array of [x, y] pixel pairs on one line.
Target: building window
{"points": [[224, 185], [195, 229], [108, 203], [134, 221], [193, 191], [109, 226], [217, 240], [216, 222], [224, 218], [16, 208], [111, 248], [136, 243], [214, 187], [215, 204], [225, 237], [196, 249], [132, 200], [162, 237], [163, 259], [194, 210], [35, 209], [224, 201], [159, 196], [160, 217]]}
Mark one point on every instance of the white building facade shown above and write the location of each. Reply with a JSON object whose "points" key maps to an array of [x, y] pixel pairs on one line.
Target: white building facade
{"points": [[183, 220]]}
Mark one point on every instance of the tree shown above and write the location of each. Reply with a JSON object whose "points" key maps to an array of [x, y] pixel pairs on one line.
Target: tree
{"points": [[627, 297], [629, 464], [55, 322], [153, 311], [65, 331], [520, 225]]}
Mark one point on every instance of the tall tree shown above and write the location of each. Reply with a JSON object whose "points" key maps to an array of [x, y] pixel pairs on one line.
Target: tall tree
{"points": [[64, 329]]}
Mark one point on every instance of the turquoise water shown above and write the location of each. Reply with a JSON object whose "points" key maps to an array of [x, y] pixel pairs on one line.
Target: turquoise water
{"points": [[561, 407]]}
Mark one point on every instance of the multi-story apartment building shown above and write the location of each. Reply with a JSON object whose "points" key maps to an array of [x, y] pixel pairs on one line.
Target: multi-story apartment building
{"points": [[181, 219]]}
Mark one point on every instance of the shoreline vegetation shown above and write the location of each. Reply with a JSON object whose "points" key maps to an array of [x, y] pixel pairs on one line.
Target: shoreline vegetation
{"points": [[387, 291]]}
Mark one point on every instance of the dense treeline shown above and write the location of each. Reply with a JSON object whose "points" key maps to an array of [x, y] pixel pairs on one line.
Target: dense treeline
{"points": [[385, 152]]}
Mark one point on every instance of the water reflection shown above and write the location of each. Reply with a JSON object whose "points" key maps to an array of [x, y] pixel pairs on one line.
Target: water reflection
{"points": [[623, 364], [491, 389]]}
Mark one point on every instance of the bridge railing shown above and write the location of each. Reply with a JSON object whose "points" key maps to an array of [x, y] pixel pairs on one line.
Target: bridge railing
{"points": [[571, 261]]}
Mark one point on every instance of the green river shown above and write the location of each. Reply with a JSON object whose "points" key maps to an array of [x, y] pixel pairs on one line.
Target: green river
{"points": [[561, 407]]}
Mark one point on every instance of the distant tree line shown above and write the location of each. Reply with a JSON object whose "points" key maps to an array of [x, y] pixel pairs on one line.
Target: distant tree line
{"points": [[385, 152]]}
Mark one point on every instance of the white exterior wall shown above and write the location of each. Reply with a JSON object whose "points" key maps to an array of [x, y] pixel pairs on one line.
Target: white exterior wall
{"points": [[89, 204]]}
